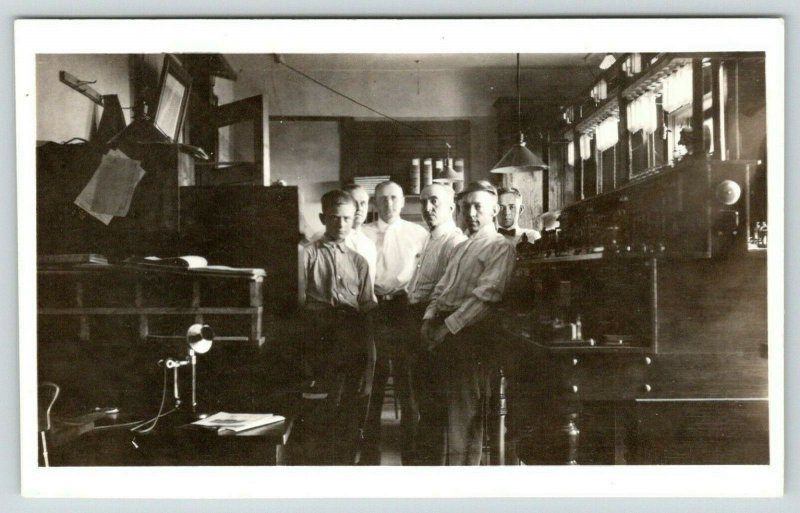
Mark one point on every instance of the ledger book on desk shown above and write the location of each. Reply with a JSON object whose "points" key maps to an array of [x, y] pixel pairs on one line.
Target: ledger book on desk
{"points": [[238, 422]]}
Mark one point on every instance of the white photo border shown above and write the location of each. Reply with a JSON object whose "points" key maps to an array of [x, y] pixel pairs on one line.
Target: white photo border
{"points": [[391, 36]]}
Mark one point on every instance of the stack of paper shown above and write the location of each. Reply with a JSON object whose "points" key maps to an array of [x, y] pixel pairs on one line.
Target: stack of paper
{"points": [[110, 190], [238, 422]]}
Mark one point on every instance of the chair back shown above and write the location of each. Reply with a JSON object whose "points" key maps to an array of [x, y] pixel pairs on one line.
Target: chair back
{"points": [[48, 393]]}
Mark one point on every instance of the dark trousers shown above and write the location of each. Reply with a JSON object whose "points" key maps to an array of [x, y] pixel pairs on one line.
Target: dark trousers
{"points": [[428, 388], [394, 342], [467, 365], [335, 359]]}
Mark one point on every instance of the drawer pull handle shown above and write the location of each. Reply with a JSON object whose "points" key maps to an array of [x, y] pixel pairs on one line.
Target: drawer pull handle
{"points": [[574, 361], [574, 389], [647, 388], [648, 360]]}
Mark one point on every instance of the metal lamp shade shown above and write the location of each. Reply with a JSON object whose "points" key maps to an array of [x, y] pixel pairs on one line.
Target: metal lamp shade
{"points": [[448, 175], [519, 158], [200, 337]]}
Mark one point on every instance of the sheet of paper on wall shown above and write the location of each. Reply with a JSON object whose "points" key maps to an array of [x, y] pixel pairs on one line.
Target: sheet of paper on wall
{"points": [[110, 191]]}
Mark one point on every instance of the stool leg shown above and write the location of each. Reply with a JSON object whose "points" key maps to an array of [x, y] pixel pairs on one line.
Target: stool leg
{"points": [[394, 391]]}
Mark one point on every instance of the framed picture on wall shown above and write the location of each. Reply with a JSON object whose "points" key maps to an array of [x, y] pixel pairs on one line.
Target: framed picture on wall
{"points": [[173, 97]]}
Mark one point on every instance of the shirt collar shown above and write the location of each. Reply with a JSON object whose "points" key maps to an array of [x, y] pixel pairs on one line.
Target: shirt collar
{"points": [[485, 231], [325, 241], [383, 225], [443, 229]]}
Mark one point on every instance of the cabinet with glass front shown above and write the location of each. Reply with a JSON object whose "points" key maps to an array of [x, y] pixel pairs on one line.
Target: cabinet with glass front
{"points": [[649, 112]]}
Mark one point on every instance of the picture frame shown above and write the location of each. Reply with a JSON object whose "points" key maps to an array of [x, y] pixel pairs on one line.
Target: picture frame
{"points": [[174, 88]]}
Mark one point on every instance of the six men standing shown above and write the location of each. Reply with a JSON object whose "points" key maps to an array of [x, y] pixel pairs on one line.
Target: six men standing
{"points": [[435, 294]]}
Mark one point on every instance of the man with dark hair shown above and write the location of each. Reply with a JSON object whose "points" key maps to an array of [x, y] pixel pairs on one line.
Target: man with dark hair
{"points": [[510, 203], [398, 242], [339, 352], [459, 325]]}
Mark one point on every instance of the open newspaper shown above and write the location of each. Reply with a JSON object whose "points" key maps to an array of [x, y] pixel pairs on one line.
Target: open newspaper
{"points": [[237, 422]]}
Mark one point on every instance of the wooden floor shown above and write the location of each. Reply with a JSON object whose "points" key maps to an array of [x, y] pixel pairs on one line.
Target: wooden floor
{"points": [[390, 434]]}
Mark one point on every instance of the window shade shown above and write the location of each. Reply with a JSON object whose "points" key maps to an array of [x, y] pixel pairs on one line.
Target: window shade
{"points": [[607, 133], [676, 89], [586, 146], [643, 114], [571, 153]]}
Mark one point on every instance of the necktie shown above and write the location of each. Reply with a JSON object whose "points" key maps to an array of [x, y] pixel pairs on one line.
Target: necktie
{"points": [[505, 231]]}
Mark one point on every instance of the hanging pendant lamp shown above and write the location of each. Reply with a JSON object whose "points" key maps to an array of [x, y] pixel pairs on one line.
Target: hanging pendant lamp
{"points": [[519, 158], [448, 174]]}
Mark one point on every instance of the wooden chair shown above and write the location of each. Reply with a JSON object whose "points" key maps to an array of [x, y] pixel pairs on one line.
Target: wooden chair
{"points": [[48, 393]]}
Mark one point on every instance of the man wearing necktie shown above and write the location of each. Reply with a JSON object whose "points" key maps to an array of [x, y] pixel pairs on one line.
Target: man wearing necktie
{"points": [[510, 203], [459, 325], [398, 243]]}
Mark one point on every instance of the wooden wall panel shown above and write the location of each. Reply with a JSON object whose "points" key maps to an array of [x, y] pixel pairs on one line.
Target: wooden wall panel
{"points": [[386, 148], [703, 433], [709, 306]]}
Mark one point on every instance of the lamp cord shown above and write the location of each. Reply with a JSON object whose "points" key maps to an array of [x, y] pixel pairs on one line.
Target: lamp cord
{"points": [[390, 118], [139, 424], [141, 427], [519, 100]]}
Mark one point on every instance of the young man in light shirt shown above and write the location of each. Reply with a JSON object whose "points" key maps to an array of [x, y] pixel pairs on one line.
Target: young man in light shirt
{"points": [[510, 203], [356, 240], [438, 206], [458, 324], [338, 352], [398, 242]]}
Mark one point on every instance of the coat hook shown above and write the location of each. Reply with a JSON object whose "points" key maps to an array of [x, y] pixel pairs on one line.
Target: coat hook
{"points": [[81, 86]]}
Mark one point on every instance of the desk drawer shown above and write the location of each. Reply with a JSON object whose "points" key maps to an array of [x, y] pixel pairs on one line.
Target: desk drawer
{"points": [[604, 377], [686, 376]]}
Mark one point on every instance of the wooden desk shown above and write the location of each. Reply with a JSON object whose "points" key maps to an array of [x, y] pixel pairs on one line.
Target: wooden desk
{"points": [[173, 442], [693, 392]]}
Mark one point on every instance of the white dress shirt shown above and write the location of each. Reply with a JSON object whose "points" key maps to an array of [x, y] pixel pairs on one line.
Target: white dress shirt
{"points": [[432, 261], [362, 245], [476, 277], [397, 243]]}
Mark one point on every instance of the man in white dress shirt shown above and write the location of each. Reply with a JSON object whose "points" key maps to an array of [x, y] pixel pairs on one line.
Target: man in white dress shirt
{"points": [[398, 242], [438, 206], [459, 325], [510, 203]]}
